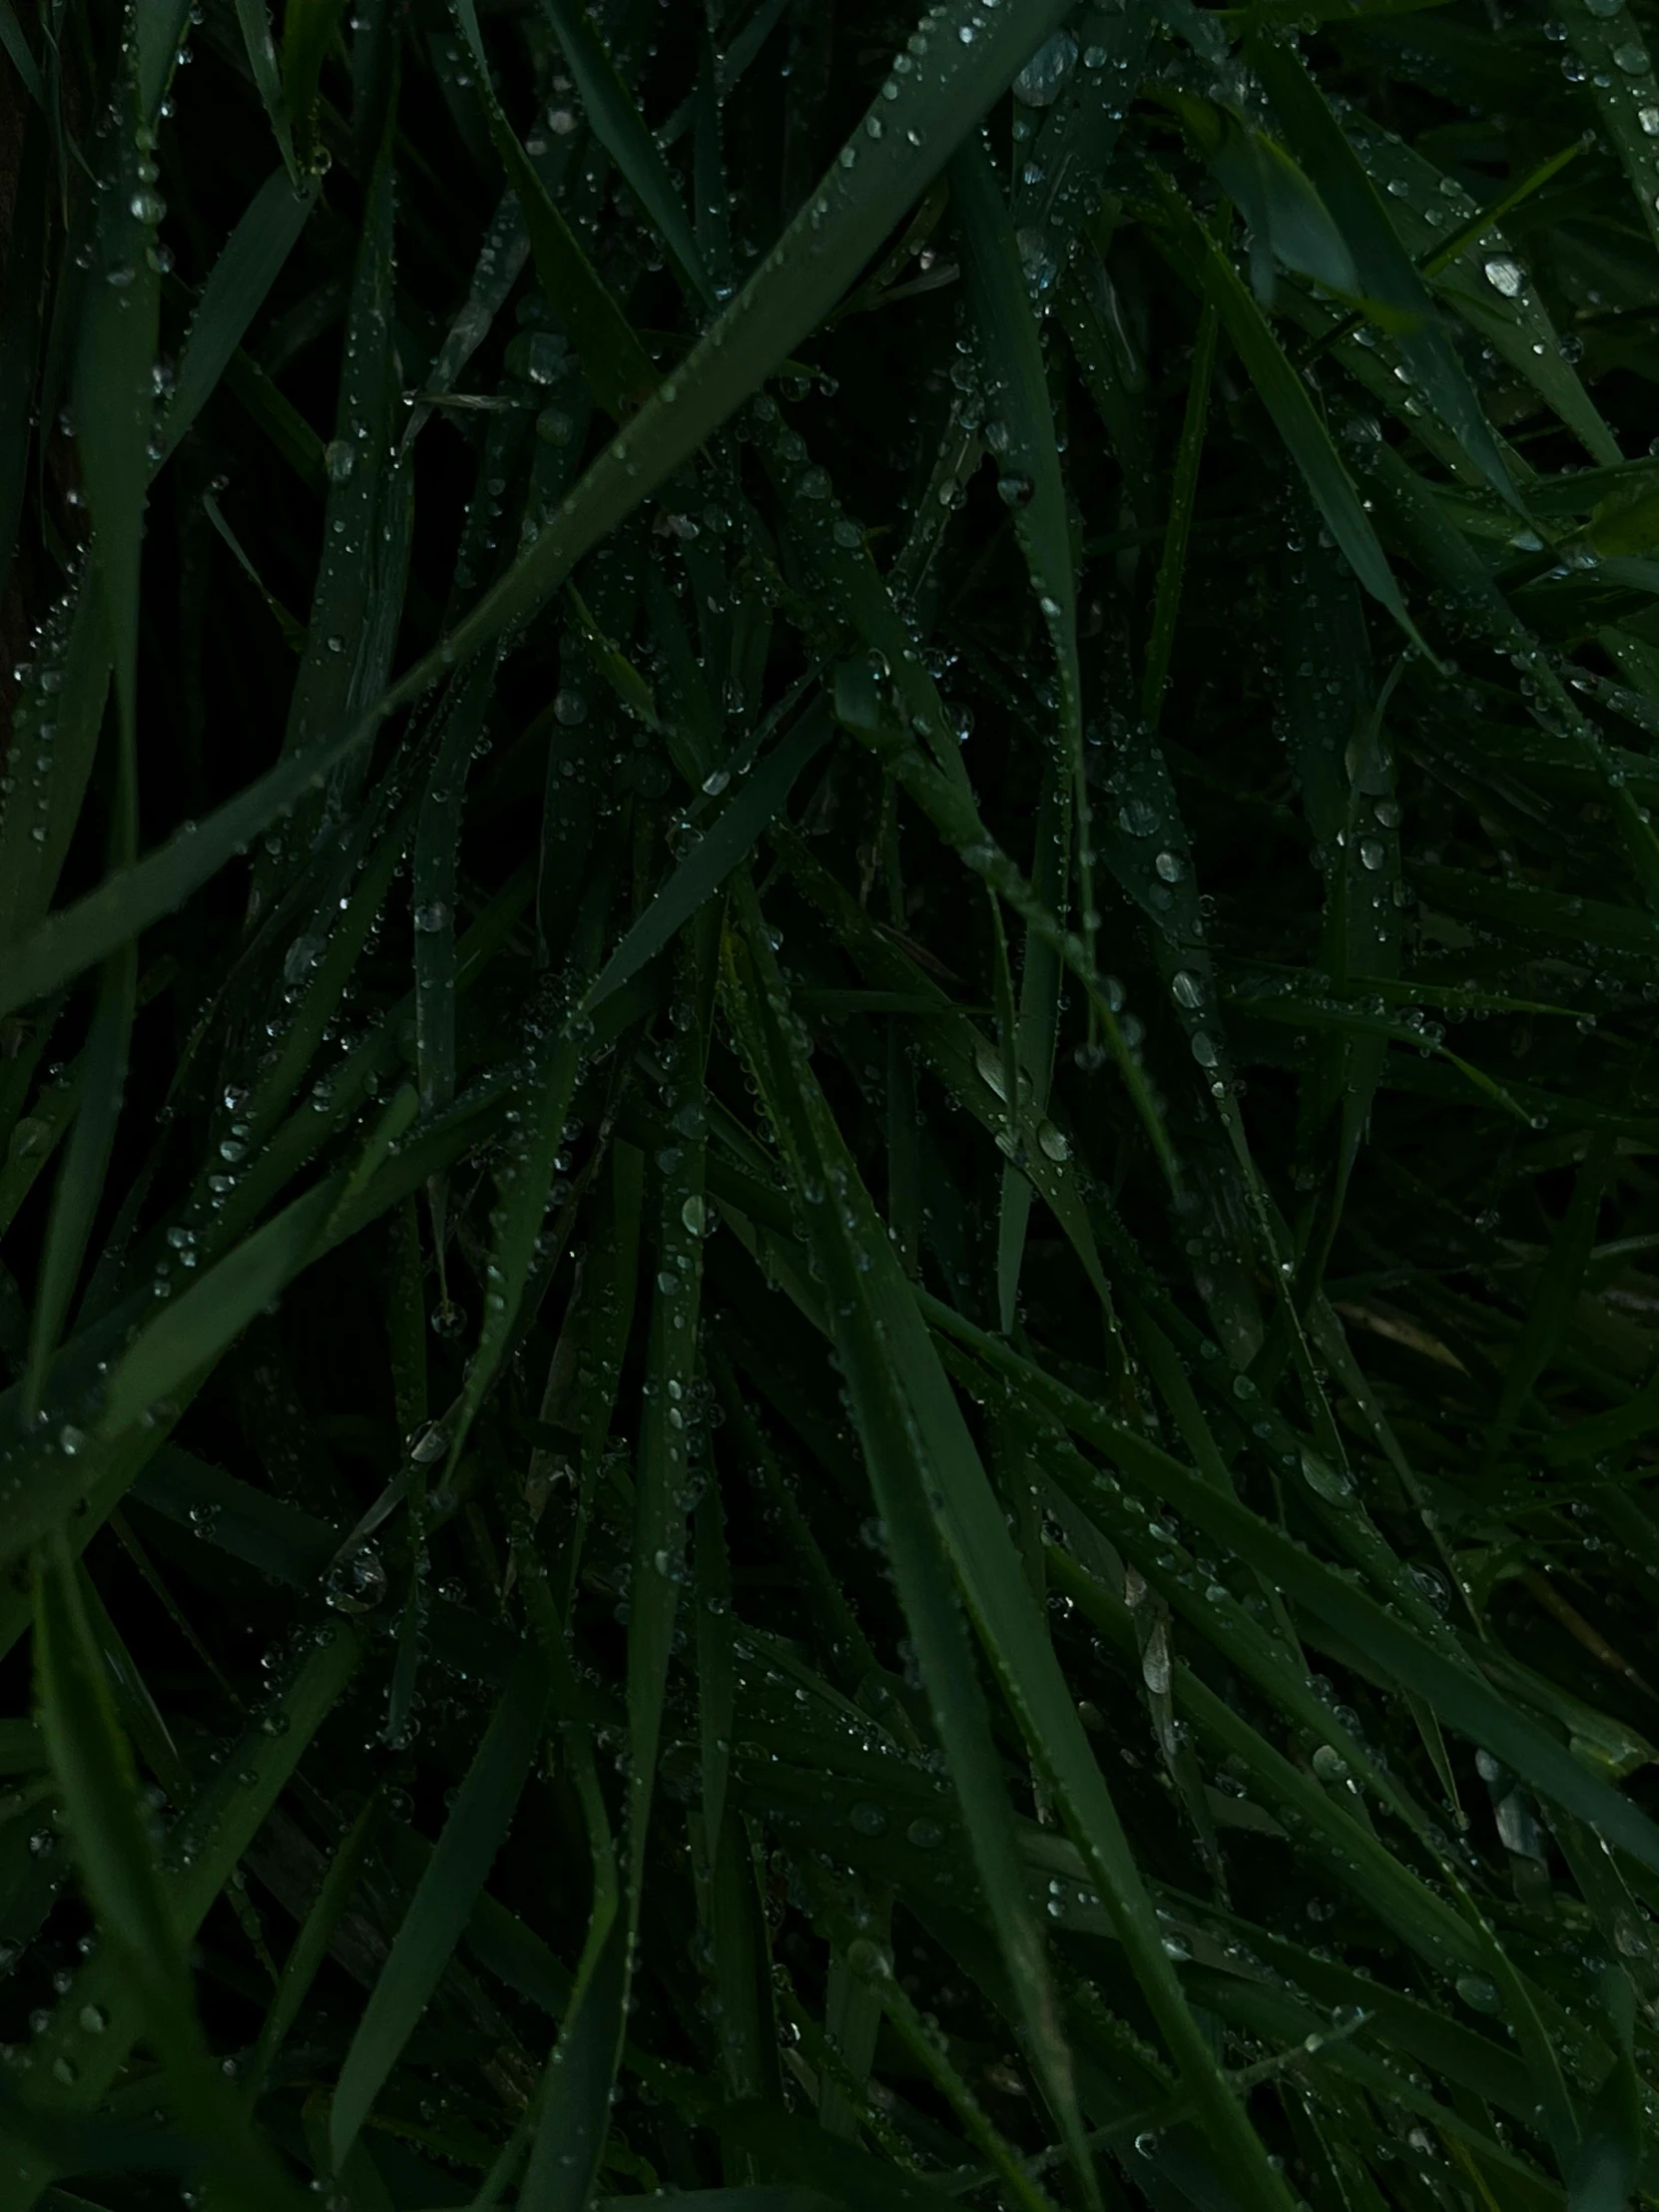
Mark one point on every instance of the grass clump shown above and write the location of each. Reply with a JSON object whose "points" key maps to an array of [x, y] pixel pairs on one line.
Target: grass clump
{"points": [[830, 921]]}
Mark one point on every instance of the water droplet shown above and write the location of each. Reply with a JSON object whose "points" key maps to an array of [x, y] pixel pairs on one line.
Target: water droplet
{"points": [[356, 1584], [1037, 257], [1053, 1142], [1506, 276], [869, 1818], [339, 458], [1039, 83], [431, 919]]}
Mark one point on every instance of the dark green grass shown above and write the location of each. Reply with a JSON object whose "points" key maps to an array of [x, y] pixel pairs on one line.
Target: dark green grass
{"points": [[828, 1098]]}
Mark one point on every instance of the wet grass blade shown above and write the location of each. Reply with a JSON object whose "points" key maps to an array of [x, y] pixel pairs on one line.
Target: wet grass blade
{"points": [[619, 127], [93, 1769], [815, 262], [115, 391], [308, 29], [79, 1191], [22, 320], [1286, 402], [194, 1330], [1021, 435], [253, 18], [724, 846], [236, 290], [1450, 1685], [617, 366], [936, 1462], [1166, 605], [60, 715], [442, 1903], [19, 55], [1386, 272]]}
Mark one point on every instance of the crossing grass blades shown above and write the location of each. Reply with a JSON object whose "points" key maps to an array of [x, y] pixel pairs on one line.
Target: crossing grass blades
{"points": [[829, 1105]]}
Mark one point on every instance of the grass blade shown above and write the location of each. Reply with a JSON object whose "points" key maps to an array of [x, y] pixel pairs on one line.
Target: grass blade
{"points": [[236, 290], [724, 846], [115, 388], [617, 366], [442, 1903], [1286, 401], [621, 130], [79, 1190], [1385, 274], [966, 1520]]}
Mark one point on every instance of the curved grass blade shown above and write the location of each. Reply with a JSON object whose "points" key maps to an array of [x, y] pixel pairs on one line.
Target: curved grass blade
{"points": [[617, 366], [1453, 1688], [253, 16], [672, 1362], [1387, 274], [21, 324], [162, 29], [836, 232], [1022, 439], [724, 846], [62, 716], [443, 1901], [190, 1335], [98, 2020], [620, 129], [902, 1470], [1286, 399], [825, 246], [436, 855], [500, 263], [80, 1186], [18, 53], [114, 390], [1616, 61], [938, 1507], [309, 30], [1512, 319], [1166, 605], [236, 288], [92, 1765], [351, 624], [293, 632]]}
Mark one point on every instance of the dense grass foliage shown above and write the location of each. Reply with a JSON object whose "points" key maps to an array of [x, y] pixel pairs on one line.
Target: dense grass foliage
{"points": [[828, 1105]]}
